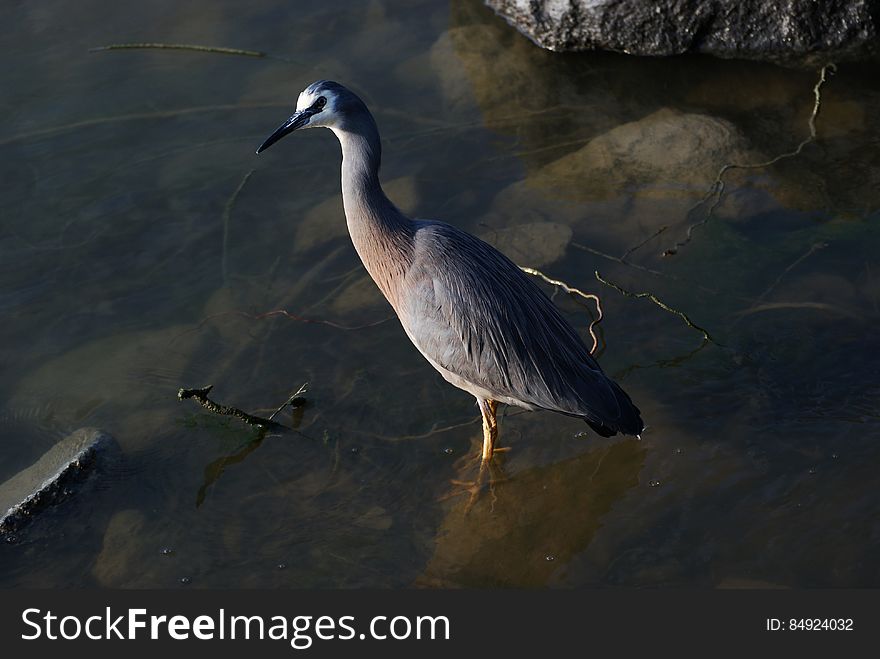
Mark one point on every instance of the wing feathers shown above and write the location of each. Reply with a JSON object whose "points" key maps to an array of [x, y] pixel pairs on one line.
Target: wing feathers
{"points": [[474, 312]]}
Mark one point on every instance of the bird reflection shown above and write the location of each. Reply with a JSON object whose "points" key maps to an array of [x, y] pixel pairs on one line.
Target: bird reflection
{"points": [[532, 522]]}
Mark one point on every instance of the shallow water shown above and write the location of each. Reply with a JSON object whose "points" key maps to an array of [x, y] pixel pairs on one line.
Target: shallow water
{"points": [[141, 240]]}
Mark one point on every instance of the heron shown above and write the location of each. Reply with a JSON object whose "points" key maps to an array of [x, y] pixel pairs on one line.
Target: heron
{"points": [[468, 309]]}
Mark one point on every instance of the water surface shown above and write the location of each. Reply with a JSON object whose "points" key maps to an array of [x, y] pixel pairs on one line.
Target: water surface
{"points": [[142, 241]]}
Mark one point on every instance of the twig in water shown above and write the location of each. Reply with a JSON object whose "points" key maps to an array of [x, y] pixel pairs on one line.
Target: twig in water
{"points": [[435, 430], [286, 314], [180, 46], [643, 243], [135, 116], [716, 190], [813, 249], [227, 215], [569, 289], [659, 303], [295, 400], [617, 259], [201, 395]]}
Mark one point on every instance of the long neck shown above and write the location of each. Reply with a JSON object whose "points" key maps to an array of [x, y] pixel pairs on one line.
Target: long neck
{"points": [[382, 235]]}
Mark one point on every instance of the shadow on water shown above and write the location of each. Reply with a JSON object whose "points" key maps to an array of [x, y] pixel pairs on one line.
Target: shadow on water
{"points": [[143, 247], [548, 514]]}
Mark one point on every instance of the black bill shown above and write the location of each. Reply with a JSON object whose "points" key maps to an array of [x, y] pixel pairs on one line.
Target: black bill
{"points": [[297, 120]]}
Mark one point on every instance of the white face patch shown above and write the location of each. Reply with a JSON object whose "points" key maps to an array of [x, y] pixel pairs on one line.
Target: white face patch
{"points": [[305, 100], [326, 117]]}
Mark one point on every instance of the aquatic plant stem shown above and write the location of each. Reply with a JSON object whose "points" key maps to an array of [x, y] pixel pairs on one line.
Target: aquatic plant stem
{"points": [[576, 291], [227, 216], [659, 303], [222, 50]]}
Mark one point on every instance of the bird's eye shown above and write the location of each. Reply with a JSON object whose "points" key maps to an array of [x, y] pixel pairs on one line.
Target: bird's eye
{"points": [[321, 102]]}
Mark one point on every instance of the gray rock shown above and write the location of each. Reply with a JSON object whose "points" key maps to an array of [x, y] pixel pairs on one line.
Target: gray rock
{"points": [[535, 245], [48, 480], [751, 29]]}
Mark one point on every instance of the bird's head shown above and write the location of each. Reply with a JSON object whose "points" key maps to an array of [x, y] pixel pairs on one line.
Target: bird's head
{"points": [[323, 103]]}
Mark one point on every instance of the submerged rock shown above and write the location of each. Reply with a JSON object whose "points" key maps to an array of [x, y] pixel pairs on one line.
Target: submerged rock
{"points": [[49, 479], [750, 29], [632, 180], [536, 244], [667, 149]]}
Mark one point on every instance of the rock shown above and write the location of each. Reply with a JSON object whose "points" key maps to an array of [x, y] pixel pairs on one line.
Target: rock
{"points": [[667, 146], [49, 479], [537, 244], [121, 554], [751, 29], [631, 180]]}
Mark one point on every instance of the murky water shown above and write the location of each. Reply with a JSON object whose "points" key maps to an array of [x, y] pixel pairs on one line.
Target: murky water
{"points": [[141, 242]]}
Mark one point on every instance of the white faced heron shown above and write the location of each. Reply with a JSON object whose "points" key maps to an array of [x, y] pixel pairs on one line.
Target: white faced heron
{"points": [[473, 314]]}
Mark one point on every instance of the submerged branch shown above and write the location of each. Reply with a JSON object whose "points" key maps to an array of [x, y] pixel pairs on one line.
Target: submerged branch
{"points": [[813, 249], [643, 243], [295, 400], [576, 291], [201, 395], [286, 314], [135, 116], [434, 430], [716, 189], [622, 261], [668, 362], [227, 216], [180, 46], [659, 303]]}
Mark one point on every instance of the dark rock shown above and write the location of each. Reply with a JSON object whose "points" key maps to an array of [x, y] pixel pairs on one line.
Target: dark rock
{"points": [[50, 479], [751, 29]]}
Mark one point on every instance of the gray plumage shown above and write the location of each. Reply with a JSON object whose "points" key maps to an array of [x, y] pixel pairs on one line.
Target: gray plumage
{"points": [[474, 315]]}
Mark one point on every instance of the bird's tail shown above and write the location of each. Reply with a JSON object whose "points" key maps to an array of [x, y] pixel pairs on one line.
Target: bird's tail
{"points": [[630, 420]]}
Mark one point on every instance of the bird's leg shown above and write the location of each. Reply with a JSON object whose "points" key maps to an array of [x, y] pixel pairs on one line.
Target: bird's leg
{"points": [[488, 408], [486, 471]]}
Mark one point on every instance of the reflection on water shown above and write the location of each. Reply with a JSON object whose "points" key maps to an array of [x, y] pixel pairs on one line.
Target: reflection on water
{"points": [[143, 244], [530, 526]]}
